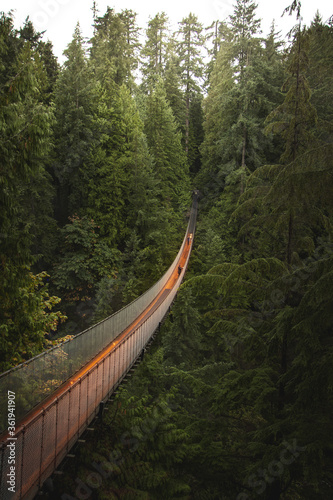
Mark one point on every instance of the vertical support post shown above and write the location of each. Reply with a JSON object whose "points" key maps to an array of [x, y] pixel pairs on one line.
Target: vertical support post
{"points": [[41, 450]]}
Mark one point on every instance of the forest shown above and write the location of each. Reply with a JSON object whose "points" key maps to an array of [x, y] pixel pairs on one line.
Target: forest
{"points": [[98, 160]]}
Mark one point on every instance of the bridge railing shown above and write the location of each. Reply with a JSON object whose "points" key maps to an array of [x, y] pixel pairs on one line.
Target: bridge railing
{"points": [[43, 439], [34, 380]]}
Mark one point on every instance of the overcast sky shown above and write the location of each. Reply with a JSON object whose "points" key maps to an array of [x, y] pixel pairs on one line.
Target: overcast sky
{"points": [[59, 17]]}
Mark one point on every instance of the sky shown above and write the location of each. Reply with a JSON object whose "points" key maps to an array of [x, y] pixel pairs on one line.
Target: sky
{"points": [[59, 17]]}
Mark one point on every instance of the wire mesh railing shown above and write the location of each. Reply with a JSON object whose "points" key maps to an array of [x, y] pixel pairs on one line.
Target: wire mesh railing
{"points": [[34, 380], [45, 436]]}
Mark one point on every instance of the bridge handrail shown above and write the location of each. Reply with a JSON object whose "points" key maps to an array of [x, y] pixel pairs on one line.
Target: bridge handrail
{"points": [[35, 379]]}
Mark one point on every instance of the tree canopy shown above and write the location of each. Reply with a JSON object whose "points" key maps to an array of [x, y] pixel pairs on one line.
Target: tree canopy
{"points": [[99, 157]]}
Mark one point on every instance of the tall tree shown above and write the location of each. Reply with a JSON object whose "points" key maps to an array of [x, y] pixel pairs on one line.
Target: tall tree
{"points": [[319, 73], [115, 158], [244, 28], [235, 143], [45, 50], [173, 87], [24, 147], [75, 103], [217, 33], [116, 40], [155, 49], [165, 145], [191, 63], [294, 120]]}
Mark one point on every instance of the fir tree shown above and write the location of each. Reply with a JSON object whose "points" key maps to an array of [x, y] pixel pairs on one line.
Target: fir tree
{"points": [[165, 145], [24, 147], [173, 88], [191, 63], [116, 40], [155, 50], [75, 103]]}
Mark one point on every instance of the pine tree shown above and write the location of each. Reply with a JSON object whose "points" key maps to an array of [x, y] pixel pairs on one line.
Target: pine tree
{"points": [[244, 26], [173, 87], [155, 50], [243, 90], [24, 146], [218, 32], [191, 63], [164, 142], [115, 159], [83, 260], [319, 74], [218, 116], [294, 121], [45, 50], [75, 103], [116, 40]]}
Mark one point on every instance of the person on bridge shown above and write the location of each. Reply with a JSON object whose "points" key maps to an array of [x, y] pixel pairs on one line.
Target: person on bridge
{"points": [[179, 270]]}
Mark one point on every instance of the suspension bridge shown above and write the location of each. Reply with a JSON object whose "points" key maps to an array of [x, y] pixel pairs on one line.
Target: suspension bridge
{"points": [[48, 402]]}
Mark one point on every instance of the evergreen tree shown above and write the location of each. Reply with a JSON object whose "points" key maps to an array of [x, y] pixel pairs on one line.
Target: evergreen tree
{"points": [[45, 50], [164, 142], [116, 40], [75, 104], [196, 134], [294, 120], [155, 50], [24, 146], [182, 341], [243, 90], [245, 47], [116, 159], [191, 64], [82, 261], [218, 114], [173, 87], [319, 74], [218, 32]]}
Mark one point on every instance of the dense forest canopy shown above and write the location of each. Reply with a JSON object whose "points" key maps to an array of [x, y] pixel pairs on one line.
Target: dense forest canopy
{"points": [[96, 174]]}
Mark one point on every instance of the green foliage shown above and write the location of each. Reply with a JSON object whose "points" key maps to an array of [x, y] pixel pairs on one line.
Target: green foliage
{"points": [[236, 399], [191, 39], [25, 221], [173, 88], [155, 49], [295, 117], [120, 162], [189, 50], [319, 74], [244, 87], [164, 142], [45, 50], [182, 341], [75, 109], [26, 317], [115, 42], [282, 197], [83, 260], [83, 264], [246, 353]]}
